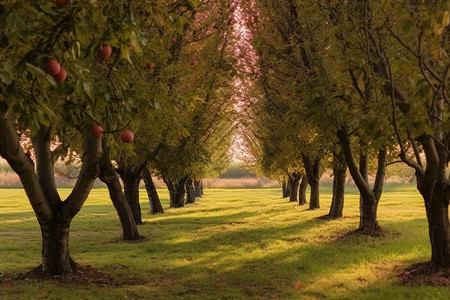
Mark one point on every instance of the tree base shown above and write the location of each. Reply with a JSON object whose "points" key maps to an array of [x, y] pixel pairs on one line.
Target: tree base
{"points": [[82, 275], [329, 217], [425, 273], [373, 231]]}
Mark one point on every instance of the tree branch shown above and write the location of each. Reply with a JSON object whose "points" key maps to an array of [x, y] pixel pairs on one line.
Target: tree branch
{"points": [[10, 149], [44, 165], [92, 149]]}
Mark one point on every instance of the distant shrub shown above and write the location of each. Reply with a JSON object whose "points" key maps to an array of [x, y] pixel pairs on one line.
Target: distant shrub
{"points": [[237, 172]]}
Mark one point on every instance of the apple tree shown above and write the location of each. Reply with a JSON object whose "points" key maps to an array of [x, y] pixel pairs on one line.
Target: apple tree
{"points": [[47, 87]]}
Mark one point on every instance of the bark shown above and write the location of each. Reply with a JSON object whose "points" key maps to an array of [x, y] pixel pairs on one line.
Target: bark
{"points": [[364, 170], [284, 188], [131, 177], [44, 164], [177, 191], [153, 197], [109, 176], [312, 168], [294, 180], [198, 186], [302, 191], [55, 249], [436, 206], [434, 186], [369, 197], [339, 172], [190, 191], [288, 189]]}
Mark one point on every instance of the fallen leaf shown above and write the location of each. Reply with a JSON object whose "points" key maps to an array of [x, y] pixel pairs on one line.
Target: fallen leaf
{"points": [[298, 285]]}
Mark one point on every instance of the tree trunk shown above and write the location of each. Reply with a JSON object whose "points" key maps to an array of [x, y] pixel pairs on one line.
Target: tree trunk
{"points": [[294, 180], [55, 249], [109, 176], [284, 187], [302, 191], [364, 171], [312, 169], [177, 192], [339, 172], [152, 193], [288, 189], [369, 197], [436, 205], [314, 196], [131, 180], [190, 192], [198, 186]]}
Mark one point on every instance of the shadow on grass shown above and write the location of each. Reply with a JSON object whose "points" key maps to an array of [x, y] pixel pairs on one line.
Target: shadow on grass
{"points": [[258, 269]]}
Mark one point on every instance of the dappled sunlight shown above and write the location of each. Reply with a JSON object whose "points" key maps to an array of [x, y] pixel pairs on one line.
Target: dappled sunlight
{"points": [[247, 243]]}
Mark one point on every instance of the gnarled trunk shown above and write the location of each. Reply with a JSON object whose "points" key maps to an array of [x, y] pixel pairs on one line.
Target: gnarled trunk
{"points": [[190, 192], [109, 176], [152, 193], [302, 191], [339, 175]]}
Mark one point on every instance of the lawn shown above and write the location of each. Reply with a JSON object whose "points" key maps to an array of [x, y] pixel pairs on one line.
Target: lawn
{"points": [[231, 244]]}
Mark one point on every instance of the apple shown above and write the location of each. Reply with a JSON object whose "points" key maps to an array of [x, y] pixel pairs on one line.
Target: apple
{"points": [[62, 3], [106, 51], [174, 40], [51, 67], [150, 65], [28, 153], [97, 131], [298, 80], [61, 76], [126, 136], [311, 72]]}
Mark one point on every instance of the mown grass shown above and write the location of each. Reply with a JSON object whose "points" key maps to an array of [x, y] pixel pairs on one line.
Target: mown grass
{"points": [[231, 244]]}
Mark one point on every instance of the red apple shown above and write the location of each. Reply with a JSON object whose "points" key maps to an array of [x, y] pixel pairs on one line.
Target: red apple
{"points": [[61, 76], [150, 65], [174, 40], [62, 3], [298, 80], [28, 153], [106, 51], [51, 67], [97, 131], [311, 72], [126, 136]]}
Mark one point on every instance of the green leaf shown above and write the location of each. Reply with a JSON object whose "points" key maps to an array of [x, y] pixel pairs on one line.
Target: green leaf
{"points": [[7, 73], [194, 3], [48, 10], [34, 70]]}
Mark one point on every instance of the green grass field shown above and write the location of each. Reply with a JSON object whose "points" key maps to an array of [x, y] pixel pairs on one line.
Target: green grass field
{"points": [[231, 244]]}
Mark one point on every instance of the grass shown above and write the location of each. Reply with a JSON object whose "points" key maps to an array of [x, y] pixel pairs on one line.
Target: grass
{"points": [[231, 244]]}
